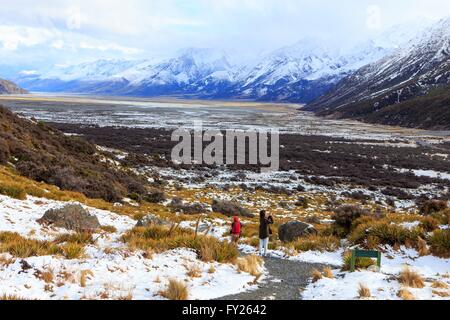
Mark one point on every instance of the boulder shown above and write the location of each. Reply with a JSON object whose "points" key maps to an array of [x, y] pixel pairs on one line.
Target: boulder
{"points": [[71, 217], [230, 209], [151, 219], [295, 229]]}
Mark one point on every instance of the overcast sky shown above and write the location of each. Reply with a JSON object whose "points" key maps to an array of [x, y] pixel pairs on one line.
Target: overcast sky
{"points": [[40, 33]]}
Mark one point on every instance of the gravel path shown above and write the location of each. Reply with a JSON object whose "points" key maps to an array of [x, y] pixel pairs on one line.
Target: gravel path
{"points": [[285, 281]]}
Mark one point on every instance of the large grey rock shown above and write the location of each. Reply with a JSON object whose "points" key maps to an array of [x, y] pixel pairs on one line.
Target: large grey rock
{"points": [[151, 219], [230, 209], [71, 217], [295, 229]]}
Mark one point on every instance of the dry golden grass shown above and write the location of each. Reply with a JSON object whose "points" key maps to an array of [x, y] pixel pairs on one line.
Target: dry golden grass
{"points": [[21, 247], [250, 264], [73, 250], [79, 238], [405, 294], [160, 238], [127, 297], [194, 271], [442, 294], [6, 261], [84, 275], [316, 275], [11, 297], [439, 285], [109, 229], [411, 278], [328, 273], [316, 243], [46, 276], [363, 291], [175, 290], [422, 247]]}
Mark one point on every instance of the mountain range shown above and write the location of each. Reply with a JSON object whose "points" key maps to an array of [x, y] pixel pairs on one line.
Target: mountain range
{"points": [[401, 77]]}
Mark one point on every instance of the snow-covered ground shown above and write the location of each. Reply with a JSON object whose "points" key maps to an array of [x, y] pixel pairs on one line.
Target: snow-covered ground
{"points": [[110, 270], [384, 284]]}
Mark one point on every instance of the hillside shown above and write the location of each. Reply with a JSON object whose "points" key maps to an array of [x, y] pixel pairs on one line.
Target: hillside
{"points": [[8, 87], [44, 154]]}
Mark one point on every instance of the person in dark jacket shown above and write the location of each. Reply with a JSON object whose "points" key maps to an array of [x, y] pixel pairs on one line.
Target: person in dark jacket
{"points": [[236, 230], [265, 221]]}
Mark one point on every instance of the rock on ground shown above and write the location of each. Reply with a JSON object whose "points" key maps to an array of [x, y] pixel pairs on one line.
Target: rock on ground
{"points": [[70, 217], [295, 229]]}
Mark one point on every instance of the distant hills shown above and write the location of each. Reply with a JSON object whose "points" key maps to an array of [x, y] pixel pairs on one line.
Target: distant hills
{"points": [[8, 87]]}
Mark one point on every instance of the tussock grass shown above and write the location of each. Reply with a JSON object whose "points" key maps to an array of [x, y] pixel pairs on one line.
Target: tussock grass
{"points": [[440, 243], [21, 247], [316, 243], [46, 276], [84, 275], [194, 271], [6, 261], [73, 250], [316, 275], [439, 285], [422, 247], [109, 229], [384, 231], [11, 297], [79, 238], [251, 264], [363, 291], [175, 290], [328, 273], [442, 294], [405, 294], [411, 278], [160, 238]]}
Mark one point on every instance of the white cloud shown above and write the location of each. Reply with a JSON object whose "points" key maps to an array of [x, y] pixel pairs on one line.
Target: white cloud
{"points": [[84, 29]]}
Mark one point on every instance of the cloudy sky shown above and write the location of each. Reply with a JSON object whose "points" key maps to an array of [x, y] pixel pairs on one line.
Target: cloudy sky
{"points": [[46, 32]]}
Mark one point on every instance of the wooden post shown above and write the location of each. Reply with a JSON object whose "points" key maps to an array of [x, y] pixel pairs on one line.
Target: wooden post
{"points": [[353, 261]]}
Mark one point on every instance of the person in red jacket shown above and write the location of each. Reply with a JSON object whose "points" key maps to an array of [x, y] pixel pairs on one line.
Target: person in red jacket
{"points": [[235, 230]]}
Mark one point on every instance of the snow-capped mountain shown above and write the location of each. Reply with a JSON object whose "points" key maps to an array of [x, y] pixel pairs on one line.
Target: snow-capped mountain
{"points": [[408, 73], [298, 73]]}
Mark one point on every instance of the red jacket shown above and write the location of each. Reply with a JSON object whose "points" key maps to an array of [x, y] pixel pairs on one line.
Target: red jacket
{"points": [[236, 226]]}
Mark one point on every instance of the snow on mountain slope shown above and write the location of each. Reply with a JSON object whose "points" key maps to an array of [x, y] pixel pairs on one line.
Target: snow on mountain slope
{"points": [[410, 71], [99, 70], [299, 73]]}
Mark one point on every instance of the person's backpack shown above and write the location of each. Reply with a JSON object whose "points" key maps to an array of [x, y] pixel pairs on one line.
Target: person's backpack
{"points": [[236, 228]]}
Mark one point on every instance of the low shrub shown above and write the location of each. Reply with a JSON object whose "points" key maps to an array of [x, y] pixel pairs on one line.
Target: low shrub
{"points": [[440, 243], [429, 207], [344, 216]]}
